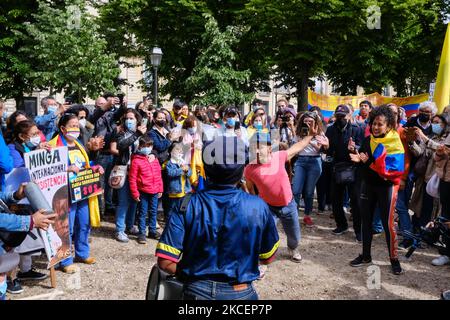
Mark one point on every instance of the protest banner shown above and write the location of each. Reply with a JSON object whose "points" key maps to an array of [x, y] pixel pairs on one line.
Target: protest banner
{"points": [[48, 169], [85, 184], [328, 104]]}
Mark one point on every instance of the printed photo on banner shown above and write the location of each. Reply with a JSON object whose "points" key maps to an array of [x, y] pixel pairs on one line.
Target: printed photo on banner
{"points": [[48, 169]]}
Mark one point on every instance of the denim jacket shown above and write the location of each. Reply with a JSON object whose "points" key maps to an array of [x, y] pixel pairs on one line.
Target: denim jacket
{"points": [[47, 124], [12, 222], [174, 176]]}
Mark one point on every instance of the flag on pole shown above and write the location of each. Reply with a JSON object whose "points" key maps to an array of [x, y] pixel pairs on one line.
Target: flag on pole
{"points": [[442, 90]]}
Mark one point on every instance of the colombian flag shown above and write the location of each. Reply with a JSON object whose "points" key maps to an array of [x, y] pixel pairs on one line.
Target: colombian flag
{"points": [[389, 156], [198, 176]]}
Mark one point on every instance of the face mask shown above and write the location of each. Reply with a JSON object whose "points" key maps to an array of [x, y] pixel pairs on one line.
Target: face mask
{"points": [[436, 128], [258, 126], [52, 108], [192, 131], [146, 150], [82, 122], [33, 142], [341, 122], [424, 117], [231, 122], [160, 123], [72, 134], [130, 124]]}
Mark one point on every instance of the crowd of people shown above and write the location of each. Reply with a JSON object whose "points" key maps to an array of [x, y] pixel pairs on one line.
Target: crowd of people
{"points": [[372, 166]]}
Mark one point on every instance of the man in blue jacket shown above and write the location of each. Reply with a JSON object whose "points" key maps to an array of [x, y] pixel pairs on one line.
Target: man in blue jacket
{"points": [[216, 244]]}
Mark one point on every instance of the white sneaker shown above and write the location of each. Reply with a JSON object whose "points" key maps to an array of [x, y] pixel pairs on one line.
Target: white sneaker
{"points": [[262, 271], [440, 261], [295, 255], [122, 237]]}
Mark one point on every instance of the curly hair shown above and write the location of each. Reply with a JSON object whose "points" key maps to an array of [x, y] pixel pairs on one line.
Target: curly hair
{"points": [[383, 111]]}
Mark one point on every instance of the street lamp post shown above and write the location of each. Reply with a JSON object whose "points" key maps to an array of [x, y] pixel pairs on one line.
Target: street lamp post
{"points": [[155, 59]]}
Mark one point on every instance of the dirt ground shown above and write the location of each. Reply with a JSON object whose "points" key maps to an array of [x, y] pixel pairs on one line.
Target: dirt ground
{"points": [[122, 270]]}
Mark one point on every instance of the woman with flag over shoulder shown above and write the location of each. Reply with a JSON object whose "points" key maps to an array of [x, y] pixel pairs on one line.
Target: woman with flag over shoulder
{"points": [[382, 159]]}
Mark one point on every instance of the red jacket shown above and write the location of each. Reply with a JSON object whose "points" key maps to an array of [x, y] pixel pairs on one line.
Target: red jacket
{"points": [[144, 176]]}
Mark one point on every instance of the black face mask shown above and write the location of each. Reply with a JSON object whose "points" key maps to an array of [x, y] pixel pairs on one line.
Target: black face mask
{"points": [[160, 123], [341, 122], [424, 117]]}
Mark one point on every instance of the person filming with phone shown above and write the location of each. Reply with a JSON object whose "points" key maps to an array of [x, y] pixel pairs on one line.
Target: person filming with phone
{"points": [[308, 166]]}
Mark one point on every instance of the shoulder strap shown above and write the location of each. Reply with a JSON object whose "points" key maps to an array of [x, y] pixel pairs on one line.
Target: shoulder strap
{"points": [[185, 203]]}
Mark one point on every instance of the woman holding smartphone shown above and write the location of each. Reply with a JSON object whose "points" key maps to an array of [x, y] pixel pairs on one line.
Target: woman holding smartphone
{"points": [[308, 166]]}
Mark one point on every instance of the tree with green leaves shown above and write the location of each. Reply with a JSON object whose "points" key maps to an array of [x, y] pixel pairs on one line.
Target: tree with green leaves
{"points": [[403, 52], [299, 36], [214, 79], [15, 66], [71, 55]]}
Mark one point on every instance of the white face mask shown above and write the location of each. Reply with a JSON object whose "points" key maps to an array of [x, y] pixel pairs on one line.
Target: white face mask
{"points": [[82, 122], [33, 142]]}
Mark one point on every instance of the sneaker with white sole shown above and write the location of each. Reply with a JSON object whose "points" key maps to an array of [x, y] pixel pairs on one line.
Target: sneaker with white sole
{"points": [[122, 237], [440, 261], [262, 271], [295, 255], [133, 231]]}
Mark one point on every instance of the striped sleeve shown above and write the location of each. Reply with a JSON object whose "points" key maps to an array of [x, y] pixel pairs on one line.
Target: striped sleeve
{"points": [[170, 246], [269, 240]]}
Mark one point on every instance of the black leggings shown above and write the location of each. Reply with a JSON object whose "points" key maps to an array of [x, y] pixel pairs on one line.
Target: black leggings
{"points": [[385, 198]]}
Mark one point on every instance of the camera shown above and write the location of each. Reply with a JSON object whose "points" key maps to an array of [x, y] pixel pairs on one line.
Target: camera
{"points": [[438, 235], [69, 100], [120, 96], [304, 131]]}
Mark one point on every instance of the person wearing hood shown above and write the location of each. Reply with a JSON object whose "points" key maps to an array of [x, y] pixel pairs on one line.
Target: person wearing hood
{"points": [[215, 240], [344, 139]]}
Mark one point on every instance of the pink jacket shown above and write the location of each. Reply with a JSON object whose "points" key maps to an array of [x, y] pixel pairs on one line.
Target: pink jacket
{"points": [[144, 176]]}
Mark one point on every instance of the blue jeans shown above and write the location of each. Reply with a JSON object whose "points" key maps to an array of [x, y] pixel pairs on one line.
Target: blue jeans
{"points": [[289, 219], [307, 173], [211, 290], [149, 203], [106, 161], [80, 227], [377, 225], [402, 207], [126, 209]]}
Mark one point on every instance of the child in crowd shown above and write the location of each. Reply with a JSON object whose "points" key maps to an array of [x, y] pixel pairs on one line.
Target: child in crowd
{"points": [[178, 174], [146, 186]]}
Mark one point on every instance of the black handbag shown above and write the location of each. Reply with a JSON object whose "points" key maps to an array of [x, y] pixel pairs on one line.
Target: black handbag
{"points": [[12, 239], [344, 173]]}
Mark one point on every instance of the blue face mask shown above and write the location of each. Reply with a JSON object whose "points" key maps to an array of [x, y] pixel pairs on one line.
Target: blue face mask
{"points": [[231, 122], [436, 128], [52, 108], [130, 124], [145, 151], [258, 126]]}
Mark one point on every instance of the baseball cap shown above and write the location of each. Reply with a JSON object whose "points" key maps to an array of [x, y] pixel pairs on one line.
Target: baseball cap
{"points": [[230, 110], [224, 159], [342, 109]]}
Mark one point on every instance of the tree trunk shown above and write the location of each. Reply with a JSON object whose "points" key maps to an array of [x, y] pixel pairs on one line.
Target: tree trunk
{"points": [[19, 102], [302, 90]]}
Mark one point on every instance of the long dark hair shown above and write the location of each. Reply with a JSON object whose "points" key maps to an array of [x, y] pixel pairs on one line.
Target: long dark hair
{"points": [[22, 128], [136, 114], [301, 124]]}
